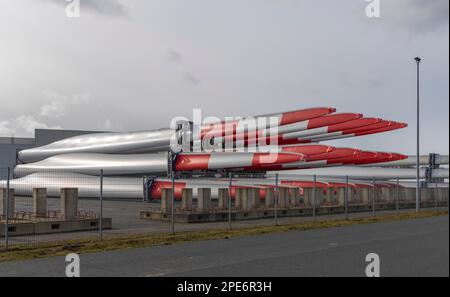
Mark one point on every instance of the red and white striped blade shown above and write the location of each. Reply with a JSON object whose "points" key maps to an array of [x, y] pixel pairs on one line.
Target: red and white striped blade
{"points": [[362, 156], [383, 126], [285, 118], [331, 130], [341, 156], [249, 161], [324, 125], [308, 150], [320, 122], [317, 126], [337, 153], [317, 161], [382, 157], [302, 115], [392, 127]]}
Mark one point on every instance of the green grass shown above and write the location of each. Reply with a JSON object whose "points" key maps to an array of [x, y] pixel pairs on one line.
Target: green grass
{"points": [[91, 245]]}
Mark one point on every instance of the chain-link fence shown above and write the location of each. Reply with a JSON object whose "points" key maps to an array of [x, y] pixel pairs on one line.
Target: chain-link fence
{"points": [[61, 206]]}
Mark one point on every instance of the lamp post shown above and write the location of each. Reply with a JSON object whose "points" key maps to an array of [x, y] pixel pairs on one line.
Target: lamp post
{"points": [[418, 60]]}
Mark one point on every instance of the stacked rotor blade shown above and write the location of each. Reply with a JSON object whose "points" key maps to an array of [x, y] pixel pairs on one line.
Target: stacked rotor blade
{"points": [[262, 133], [360, 127], [411, 161], [304, 116], [155, 164], [342, 156], [292, 138], [146, 141], [104, 143]]}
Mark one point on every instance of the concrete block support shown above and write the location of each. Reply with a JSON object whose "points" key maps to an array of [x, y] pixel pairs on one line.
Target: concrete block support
{"points": [[40, 202], [69, 203], [385, 193], [392, 194], [283, 199], [378, 197], [255, 198], [307, 196], [295, 197], [424, 194], [223, 198], [341, 196], [351, 194], [166, 200], [204, 199], [404, 194], [443, 194], [238, 197], [329, 196], [439, 195], [320, 195], [432, 194], [269, 199], [247, 201], [186, 199], [242, 194], [363, 195], [11, 204], [410, 194]]}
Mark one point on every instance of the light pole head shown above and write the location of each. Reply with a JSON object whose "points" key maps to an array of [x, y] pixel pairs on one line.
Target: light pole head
{"points": [[417, 59]]}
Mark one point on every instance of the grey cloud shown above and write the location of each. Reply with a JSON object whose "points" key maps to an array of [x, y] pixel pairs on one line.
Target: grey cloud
{"points": [[6, 129], [173, 56], [57, 103], [55, 109], [192, 79], [28, 124], [109, 125], [417, 15], [112, 8], [108, 7]]}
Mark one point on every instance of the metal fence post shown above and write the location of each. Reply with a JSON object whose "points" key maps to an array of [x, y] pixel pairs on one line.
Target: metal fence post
{"points": [[100, 223], [436, 203], [7, 211], [448, 197], [314, 198], [144, 183], [346, 198], [277, 192], [373, 196], [173, 203], [397, 203], [229, 201]]}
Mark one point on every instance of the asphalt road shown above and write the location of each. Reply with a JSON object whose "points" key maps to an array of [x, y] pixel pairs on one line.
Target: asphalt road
{"points": [[406, 248]]}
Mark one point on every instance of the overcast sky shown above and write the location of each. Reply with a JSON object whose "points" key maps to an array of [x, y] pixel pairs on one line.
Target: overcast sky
{"points": [[135, 64]]}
